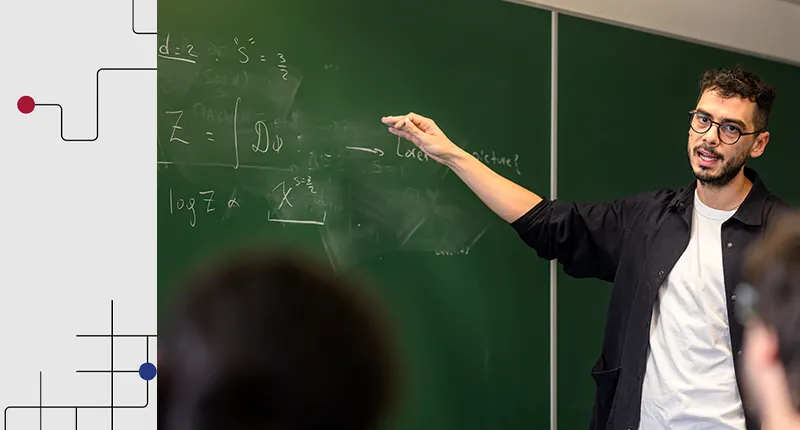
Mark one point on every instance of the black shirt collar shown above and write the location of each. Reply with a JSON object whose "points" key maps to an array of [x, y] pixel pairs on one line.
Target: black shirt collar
{"points": [[751, 208]]}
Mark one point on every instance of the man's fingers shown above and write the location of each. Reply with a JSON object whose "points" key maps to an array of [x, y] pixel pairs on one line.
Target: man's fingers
{"points": [[411, 136], [416, 118], [402, 123], [419, 121], [423, 123], [392, 120], [408, 125], [405, 122], [402, 133]]}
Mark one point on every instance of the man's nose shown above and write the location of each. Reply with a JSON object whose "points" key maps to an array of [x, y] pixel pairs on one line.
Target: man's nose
{"points": [[711, 136]]}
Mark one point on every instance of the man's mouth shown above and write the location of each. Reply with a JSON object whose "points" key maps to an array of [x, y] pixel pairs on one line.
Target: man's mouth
{"points": [[706, 155]]}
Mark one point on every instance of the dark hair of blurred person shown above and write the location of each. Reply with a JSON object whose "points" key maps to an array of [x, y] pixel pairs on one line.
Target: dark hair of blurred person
{"points": [[769, 305], [263, 341]]}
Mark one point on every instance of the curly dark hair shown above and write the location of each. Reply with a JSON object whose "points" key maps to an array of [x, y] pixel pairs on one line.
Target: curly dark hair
{"points": [[744, 84], [772, 268], [262, 340]]}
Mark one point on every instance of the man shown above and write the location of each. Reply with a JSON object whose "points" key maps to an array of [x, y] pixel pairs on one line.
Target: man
{"points": [[273, 341], [769, 306], [670, 347]]}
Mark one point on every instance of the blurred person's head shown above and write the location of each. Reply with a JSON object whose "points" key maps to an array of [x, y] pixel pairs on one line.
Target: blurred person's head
{"points": [[262, 341], [769, 305]]}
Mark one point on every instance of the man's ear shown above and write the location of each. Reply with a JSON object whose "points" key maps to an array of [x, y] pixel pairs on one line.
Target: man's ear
{"points": [[760, 145]]}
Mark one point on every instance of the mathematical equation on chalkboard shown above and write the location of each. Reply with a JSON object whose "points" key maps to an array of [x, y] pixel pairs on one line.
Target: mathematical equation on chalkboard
{"points": [[187, 52], [294, 160], [265, 142]]}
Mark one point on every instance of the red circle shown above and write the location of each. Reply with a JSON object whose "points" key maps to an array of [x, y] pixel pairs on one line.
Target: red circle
{"points": [[25, 104]]}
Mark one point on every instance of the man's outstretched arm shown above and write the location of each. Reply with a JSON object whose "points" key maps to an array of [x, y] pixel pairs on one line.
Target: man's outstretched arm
{"points": [[586, 238]]}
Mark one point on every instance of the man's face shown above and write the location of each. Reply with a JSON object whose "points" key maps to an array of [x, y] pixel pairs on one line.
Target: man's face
{"points": [[714, 162]]}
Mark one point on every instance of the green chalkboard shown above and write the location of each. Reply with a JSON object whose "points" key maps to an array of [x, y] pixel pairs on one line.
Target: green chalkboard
{"points": [[623, 99], [269, 132]]}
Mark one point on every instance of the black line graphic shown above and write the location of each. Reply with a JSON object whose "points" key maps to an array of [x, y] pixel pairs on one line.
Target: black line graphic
{"points": [[76, 407], [97, 103], [116, 335], [133, 20], [112, 355], [111, 371]]}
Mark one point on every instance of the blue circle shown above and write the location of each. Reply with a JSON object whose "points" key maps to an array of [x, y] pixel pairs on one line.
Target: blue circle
{"points": [[147, 371]]}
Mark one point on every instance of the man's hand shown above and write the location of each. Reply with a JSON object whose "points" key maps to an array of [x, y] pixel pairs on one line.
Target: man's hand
{"points": [[425, 134]]}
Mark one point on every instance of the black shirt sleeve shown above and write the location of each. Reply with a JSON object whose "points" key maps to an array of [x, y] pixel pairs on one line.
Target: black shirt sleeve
{"points": [[586, 238]]}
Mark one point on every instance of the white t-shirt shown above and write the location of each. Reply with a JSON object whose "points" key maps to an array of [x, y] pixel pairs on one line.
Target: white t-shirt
{"points": [[690, 382]]}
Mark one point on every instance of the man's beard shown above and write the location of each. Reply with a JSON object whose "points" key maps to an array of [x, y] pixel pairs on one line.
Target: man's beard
{"points": [[729, 171]]}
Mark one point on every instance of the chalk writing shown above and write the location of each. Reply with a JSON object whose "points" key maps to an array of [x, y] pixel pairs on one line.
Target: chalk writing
{"points": [[297, 221], [414, 153], [189, 204], [242, 50], [464, 250], [358, 159], [240, 53], [223, 82], [176, 127], [235, 131], [220, 116], [305, 181], [182, 204], [174, 53], [298, 199], [209, 200], [372, 150], [493, 159], [284, 194], [317, 161], [215, 51], [307, 166], [291, 168], [378, 168], [282, 66], [263, 131], [413, 230], [232, 201]]}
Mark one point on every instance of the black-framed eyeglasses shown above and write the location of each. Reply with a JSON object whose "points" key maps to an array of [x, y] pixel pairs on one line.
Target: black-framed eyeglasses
{"points": [[728, 133], [746, 301]]}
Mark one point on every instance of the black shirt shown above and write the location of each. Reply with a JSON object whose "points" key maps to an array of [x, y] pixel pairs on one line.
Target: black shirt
{"points": [[634, 242]]}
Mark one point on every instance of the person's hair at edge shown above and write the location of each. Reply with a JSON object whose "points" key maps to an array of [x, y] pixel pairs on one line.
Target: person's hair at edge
{"points": [[747, 85], [265, 340], [772, 268]]}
